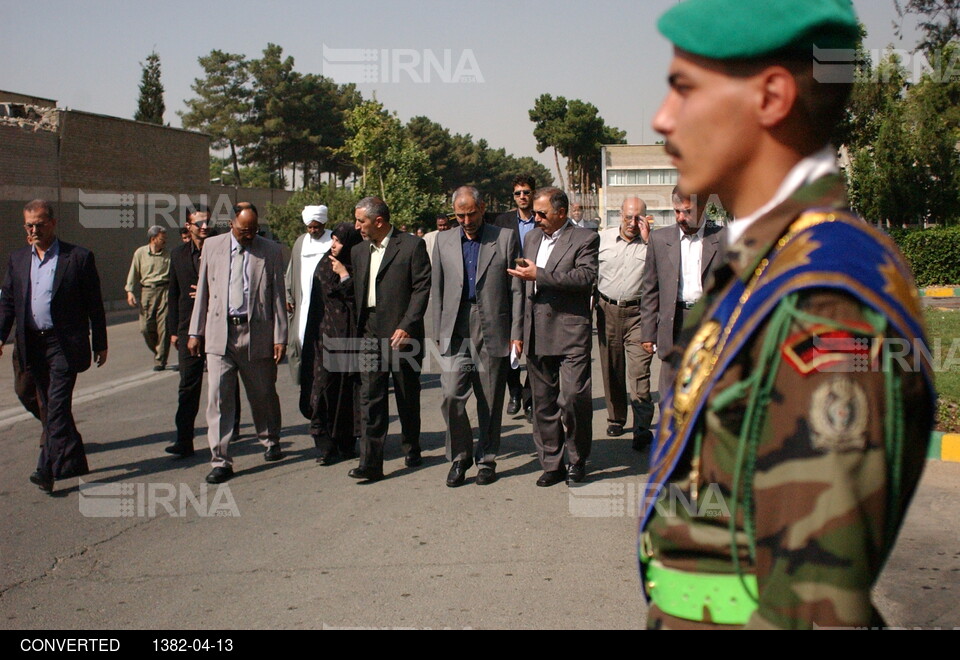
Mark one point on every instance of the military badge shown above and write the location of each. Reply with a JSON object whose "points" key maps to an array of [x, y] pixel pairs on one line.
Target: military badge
{"points": [[838, 416]]}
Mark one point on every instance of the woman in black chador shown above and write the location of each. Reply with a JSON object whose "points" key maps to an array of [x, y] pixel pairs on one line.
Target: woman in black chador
{"points": [[334, 399]]}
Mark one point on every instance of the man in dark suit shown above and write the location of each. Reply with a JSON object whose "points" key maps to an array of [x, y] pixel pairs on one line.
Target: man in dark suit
{"points": [[52, 291], [184, 273], [241, 317], [678, 259], [478, 319], [521, 222], [560, 274], [392, 280]]}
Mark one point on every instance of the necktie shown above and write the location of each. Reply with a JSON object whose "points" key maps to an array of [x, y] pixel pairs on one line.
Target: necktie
{"points": [[236, 280]]}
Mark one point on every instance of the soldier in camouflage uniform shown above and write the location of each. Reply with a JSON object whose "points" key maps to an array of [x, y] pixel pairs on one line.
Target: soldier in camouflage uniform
{"points": [[795, 432]]}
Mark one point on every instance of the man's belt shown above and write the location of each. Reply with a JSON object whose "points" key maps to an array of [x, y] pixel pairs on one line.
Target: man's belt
{"points": [[684, 594], [40, 333], [236, 320], [619, 303], [160, 285]]}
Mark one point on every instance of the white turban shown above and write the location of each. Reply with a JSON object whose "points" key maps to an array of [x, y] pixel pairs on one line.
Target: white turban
{"points": [[314, 214]]}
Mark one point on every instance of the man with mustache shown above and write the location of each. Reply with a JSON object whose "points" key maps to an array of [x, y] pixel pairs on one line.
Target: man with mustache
{"points": [[791, 441]]}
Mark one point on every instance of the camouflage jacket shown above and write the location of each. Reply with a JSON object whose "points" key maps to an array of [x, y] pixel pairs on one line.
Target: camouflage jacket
{"points": [[821, 491]]}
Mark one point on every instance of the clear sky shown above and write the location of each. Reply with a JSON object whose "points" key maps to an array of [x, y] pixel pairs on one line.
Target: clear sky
{"points": [[88, 54]]}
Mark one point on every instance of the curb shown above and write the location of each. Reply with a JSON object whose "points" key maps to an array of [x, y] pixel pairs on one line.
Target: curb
{"points": [[944, 447], [939, 292]]}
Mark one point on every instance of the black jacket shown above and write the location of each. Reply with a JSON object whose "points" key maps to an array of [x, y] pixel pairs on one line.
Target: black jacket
{"points": [[77, 306]]}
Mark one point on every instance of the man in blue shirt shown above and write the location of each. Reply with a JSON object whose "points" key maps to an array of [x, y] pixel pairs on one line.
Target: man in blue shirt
{"points": [[52, 291]]}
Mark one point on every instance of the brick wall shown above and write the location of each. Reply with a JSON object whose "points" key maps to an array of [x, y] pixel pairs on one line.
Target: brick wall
{"points": [[107, 153], [27, 158]]}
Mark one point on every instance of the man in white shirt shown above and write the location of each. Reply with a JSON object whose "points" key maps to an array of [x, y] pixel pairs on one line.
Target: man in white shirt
{"points": [[624, 363]]}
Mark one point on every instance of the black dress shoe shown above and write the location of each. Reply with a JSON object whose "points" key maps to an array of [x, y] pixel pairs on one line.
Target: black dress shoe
{"points": [[576, 473], [413, 460], [528, 413], [457, 474], [486, 476], [551, 478], [329, 458], [273, 453], [44, 481], [614, 430], [158, 367], [514, 406], [219, 474], [366, 473], [178, 450], [642, 440]]}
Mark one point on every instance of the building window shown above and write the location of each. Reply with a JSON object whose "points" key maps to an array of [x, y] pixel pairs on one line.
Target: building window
{"points": [[657, 177]]}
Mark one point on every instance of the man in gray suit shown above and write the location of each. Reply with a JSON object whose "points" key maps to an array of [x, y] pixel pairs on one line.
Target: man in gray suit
{"points": [[240, 317], [477, 310], [560, 271], [678, 259]]}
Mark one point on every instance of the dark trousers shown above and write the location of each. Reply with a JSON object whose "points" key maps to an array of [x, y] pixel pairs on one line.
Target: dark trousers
{"points": [[517, 389], [378, 363], [669, 364], [335, 407], [562, 408], [188, 399], [62, 455], [26, 391]]}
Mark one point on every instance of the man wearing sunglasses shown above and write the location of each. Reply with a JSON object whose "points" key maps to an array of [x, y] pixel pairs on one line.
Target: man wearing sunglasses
{"points": [[520, 221]]}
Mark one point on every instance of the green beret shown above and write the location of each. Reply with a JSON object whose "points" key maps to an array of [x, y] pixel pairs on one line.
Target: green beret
{"points": [[743, 29]]}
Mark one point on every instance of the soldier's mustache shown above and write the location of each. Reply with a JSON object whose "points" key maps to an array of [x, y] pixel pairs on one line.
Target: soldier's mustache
{"points": [[671, 150]]}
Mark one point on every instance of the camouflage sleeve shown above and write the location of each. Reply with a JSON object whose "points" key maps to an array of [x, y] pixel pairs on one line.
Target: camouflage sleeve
{"points": [[821, 482]]}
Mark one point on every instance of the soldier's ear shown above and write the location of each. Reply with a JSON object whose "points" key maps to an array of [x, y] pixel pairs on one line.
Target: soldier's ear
{"points": [[777, 95]]}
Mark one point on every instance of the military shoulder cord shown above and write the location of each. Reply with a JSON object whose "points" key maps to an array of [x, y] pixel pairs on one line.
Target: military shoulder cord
{"points": [[759, 386]]}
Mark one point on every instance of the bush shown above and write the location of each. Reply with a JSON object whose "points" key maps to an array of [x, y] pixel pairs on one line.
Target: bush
{"points": [[934, 255], [286, 222]]}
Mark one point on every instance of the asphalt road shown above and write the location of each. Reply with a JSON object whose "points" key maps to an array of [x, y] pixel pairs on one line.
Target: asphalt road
{"points": [[295, 545]]}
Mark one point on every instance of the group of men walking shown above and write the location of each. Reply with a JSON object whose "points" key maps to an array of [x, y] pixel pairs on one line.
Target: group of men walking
{"points": [[766, 400]]}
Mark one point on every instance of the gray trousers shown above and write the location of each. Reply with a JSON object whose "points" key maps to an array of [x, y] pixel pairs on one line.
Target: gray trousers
{"points": [[470, 366], [259, 380], [624, 364], [562, 408]]}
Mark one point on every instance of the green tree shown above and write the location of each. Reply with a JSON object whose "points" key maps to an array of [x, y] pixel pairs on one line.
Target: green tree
{"points": [[276, 89], [222, 105], [939, 20], [548, 116], [393, 166], [150, 106]]}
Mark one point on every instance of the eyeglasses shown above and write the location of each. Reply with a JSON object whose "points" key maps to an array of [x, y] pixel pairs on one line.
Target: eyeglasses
{"points": [[522, 193], [683, 211], [541, 214], [35, 226], [634, 218], [200, 223]]}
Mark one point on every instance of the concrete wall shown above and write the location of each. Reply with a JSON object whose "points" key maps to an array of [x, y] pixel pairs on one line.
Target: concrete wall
{"points": [[636, 157]]}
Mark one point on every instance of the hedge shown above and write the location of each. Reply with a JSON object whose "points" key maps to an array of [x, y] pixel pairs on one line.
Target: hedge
{"points": [[934, 254]]}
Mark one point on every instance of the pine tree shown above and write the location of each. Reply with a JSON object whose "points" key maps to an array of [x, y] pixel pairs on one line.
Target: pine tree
{"points": [[150, 106]]}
